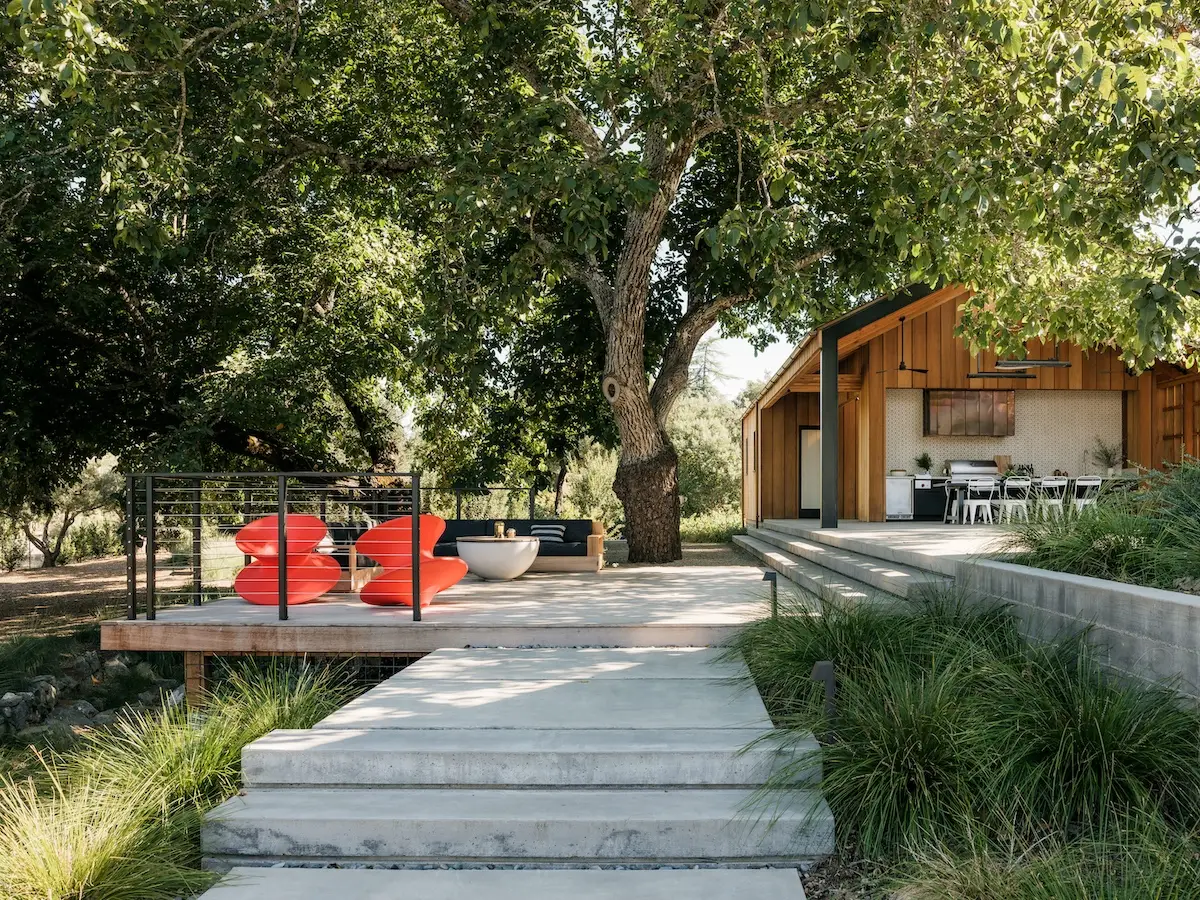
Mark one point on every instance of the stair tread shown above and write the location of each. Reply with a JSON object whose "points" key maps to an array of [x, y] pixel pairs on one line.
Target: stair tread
{"points": [[524, 805], [572, 757], [809, 575], [254, 883], [879, 574]]}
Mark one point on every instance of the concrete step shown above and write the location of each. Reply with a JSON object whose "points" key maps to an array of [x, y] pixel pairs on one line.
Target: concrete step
{"points": [[579, 827], [575, 664], [553, 704], [506, 758], [880, 575], [246, 883], [808, 576], [933, 548]]}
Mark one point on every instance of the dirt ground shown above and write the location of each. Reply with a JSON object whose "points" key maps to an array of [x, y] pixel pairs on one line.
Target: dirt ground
{"points": [[707, 555], [54, 601]]}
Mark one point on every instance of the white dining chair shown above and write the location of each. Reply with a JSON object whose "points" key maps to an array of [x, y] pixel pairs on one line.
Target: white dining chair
{"points": [[981, 494], [1052, 492], [1086, 489], [1014, 498]]}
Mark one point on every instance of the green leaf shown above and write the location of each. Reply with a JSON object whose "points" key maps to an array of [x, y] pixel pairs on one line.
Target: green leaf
{"points": [[1185, 163]]}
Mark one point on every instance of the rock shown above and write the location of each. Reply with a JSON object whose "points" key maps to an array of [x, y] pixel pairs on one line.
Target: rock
{"points": [[84, 708], [146, 671], [115, 667], [45, 698], [176, 696], [151, 698], [67, 686], [34, 734], [14, 709], [108, 717]]}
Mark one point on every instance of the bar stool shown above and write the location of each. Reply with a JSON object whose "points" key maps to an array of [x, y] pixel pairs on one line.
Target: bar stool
{"points": [[1052, 492], [1086, 489], [950, 513], [1014, 498], [981, 494]]}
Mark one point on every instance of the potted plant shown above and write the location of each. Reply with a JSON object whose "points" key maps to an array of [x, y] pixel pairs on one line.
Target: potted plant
{"points": [[924, 462], [1108, 457]]}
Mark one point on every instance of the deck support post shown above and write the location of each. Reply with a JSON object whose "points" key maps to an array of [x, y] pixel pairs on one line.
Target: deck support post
{"points": [[829, 430], [195, 678]]}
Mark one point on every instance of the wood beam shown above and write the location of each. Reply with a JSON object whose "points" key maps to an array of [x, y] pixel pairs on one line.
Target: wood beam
{"points": [[796, 365], [807, 384]]}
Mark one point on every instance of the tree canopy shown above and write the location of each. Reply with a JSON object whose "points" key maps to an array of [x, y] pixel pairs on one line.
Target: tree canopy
{"points": [[631, 171]]}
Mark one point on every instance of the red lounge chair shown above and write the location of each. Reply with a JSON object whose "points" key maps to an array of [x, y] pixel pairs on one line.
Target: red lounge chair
{"points": [[309, 574], [390, 545]]}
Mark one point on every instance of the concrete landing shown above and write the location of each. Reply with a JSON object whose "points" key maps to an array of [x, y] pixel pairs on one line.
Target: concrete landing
{"points": [[384, 884]]}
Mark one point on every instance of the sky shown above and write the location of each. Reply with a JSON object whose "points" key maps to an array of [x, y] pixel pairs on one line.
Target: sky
{"points": [[740, 364]]}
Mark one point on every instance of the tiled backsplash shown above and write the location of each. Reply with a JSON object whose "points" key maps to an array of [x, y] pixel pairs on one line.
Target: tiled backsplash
{"points": [[1054, 430]]}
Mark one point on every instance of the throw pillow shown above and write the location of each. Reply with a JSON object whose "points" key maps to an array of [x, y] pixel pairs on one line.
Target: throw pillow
{"points": [[550, 534]]}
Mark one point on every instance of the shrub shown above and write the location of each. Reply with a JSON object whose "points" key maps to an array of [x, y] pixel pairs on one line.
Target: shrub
{"points": [[121, 818], [715, 527], [14, 547], [92, 540], [1149, 537], [90, 842], [950, 723]]}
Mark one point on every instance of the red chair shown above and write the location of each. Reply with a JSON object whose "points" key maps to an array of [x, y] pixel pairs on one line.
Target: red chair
{"points": [[390, 545], [309, 574]]}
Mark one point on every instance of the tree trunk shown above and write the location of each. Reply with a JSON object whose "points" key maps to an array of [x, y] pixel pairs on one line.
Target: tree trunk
{"points": [[649, 491], [558, 488]]}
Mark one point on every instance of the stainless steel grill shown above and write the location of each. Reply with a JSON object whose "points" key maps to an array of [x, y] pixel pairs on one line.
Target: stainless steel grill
{"points": [[966, 468]]}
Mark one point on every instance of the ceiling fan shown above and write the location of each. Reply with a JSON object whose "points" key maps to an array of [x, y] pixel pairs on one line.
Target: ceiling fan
{"points": [[903, 367]]}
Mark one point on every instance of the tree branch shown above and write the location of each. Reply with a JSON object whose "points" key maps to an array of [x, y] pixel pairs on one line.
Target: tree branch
{"points": [[208, 35], [673, 373], [588, 275], [359, 165]]}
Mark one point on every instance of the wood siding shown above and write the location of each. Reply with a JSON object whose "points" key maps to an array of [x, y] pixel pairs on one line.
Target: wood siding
{"points": [[1160, 413]]}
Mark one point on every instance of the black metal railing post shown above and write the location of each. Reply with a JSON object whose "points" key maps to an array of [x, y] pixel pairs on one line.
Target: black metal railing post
{"points": [[150, 550], [532, 503], [282, 546], [131, 544], [197, 564], [416, 546], [246, 510], [457, 503]]}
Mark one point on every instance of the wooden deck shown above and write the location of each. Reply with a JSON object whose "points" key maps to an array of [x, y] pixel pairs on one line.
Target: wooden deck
{"points": [[642, 606]]}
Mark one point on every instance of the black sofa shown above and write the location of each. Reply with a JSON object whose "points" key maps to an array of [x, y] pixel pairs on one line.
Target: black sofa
{"points": [[582, 548]]}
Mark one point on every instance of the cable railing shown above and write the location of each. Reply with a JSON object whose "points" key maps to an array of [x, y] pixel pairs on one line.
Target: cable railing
{"points": [[187, 527]]}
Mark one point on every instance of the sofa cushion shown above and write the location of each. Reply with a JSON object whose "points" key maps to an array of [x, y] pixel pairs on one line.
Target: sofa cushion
{"points": [[572, 548], [575, 530], [548, 534], [456, 528]]}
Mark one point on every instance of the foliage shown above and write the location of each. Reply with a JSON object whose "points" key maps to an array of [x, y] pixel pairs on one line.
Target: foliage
{"points": [[122, 817], [951, 728], [706, 434], [96, 488], [86, 841], [1149, 537], [92, 539], [14, 546], [244, 168], [1106, 455], [589, 493], [717, 526], [1135, 863]]}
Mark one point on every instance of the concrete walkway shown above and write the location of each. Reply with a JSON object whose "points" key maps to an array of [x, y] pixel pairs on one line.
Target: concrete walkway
{"points": [[530, 773]]}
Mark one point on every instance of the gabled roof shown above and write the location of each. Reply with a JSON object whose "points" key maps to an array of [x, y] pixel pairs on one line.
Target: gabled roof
{"points": [[855, 328]]}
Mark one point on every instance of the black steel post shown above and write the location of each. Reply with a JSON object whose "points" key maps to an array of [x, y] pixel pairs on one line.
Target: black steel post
{"points": [[131, 543], [771, 579], [532, 503], [282, 545], [823, 672], [416, 546], [197, 565], [246, 521], [150, 548], [829, 430], [457, 503]]}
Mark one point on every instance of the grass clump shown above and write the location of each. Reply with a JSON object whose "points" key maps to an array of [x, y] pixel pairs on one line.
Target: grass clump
{"points": [[958, 740], [1149, 537], [118, 815]]}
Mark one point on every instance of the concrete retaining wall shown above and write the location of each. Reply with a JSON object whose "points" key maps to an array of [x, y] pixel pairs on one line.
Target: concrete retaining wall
{"points": [[1145, 632]]}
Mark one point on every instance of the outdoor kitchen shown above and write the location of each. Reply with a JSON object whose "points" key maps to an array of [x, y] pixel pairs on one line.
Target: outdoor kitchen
{"points": [[939, 442]]}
